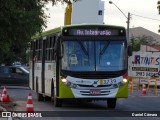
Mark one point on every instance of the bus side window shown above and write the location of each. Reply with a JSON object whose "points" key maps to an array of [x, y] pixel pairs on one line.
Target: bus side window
{"points": [[53, 47]]}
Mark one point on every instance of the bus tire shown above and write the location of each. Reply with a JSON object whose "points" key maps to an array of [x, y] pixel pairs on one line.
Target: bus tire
{"points": [[39, 96], [111, 102], [47, 98], [57, 102], [52, 90]]}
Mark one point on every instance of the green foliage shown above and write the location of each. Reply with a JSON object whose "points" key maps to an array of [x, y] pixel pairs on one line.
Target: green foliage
{"points": [[141, 40], [20, 20], [62, 1]]}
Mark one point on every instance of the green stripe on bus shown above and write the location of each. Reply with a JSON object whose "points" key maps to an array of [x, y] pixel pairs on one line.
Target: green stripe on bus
{"points": [[65, 91], [122, 91]]}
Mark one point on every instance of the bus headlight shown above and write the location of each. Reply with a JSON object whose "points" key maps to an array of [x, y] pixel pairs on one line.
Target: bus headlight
{"points": [[64, 80], [68, 83], [124, 80]]}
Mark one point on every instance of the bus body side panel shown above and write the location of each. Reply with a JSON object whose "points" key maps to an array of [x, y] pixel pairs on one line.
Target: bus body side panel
{"points": [[49, 74], [38, 76], [50, 70], [43, 65]]}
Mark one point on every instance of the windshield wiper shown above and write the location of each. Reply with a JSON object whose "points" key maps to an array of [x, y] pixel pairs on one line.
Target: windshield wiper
{"points": [[83, 48], [104, 48]]}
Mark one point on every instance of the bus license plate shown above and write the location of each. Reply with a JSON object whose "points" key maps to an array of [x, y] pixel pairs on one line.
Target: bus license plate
{"points": [[95, 91]]}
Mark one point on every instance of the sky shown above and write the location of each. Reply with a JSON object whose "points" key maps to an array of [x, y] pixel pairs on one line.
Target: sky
{"points": [[113, 16]]}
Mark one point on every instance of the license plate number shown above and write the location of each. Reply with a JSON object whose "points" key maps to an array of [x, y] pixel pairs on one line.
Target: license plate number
{"points": [[95, 91], [109, 81]]}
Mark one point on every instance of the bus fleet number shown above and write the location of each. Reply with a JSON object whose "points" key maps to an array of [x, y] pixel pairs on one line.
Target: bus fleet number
{"points": [[109, 81]]}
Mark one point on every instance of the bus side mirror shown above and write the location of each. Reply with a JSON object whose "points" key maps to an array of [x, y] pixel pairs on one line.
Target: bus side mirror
{"points": [[129, 50]]}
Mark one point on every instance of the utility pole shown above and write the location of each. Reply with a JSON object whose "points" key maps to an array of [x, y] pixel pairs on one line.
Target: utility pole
{"points": [[128, 23], [128, 18]]}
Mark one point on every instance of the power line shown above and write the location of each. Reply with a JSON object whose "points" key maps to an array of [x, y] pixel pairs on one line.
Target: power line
{"points": [[145, 17]]}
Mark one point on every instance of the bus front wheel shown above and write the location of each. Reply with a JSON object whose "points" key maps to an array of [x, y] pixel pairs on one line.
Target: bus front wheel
{"points": [[57, 102], [111, 102], [40, 97]]}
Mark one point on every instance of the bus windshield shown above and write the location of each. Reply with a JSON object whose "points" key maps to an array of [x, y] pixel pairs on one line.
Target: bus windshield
{"points": [[100, 55]]}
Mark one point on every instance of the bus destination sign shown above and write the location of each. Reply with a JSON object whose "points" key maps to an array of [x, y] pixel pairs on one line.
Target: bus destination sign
{"points": [[93, 32]]}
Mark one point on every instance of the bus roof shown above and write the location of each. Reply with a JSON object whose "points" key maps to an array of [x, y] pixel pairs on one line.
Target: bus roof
{"points": [[55, 30], [49, 32]]}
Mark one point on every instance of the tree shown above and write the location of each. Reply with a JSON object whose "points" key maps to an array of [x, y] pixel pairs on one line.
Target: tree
{"points": [[141, 40], [20, 20]]}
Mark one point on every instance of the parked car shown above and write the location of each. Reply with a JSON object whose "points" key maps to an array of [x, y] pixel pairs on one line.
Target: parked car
{"points": [[16, 64], [14, 76]]}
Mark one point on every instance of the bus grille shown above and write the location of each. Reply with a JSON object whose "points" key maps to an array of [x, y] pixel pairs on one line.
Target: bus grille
{"points": [[93, 75], [93, 86]]}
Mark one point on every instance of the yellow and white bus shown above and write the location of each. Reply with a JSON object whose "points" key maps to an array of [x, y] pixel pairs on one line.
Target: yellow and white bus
{"points": [[84, 62]]}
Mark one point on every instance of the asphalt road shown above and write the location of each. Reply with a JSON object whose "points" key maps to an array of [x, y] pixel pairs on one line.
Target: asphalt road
{"points": [[71, 110]]}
